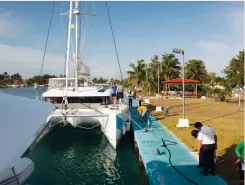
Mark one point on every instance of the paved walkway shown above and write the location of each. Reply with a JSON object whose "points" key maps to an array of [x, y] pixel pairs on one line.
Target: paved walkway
{"points": [[157, 167]]}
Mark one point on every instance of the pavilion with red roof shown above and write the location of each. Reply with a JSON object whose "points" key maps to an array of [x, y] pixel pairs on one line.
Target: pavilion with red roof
{"points": [[179, 81]]}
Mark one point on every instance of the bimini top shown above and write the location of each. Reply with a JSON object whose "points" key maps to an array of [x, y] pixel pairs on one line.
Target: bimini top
{"points": [[179, 81], [21, 119]]}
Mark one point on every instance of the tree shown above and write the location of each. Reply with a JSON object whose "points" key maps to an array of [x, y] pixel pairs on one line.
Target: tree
{"points": [[153, 73], [94, 80], [137, 73], [127, 83], [15, 77], [5, 75], [1, 77], [196, 70], [212, 78], [40, 79], [234, 72], [220, 80], [170, 66]]}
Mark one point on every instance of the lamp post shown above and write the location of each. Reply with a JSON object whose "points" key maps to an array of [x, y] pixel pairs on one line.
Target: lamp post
{"points": [[147, 86], [180, 51], [146, 80], [158, 83], [158, 107]]}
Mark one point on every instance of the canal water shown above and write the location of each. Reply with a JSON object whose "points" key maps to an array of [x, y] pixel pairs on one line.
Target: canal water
{"points": [[68, 156]]}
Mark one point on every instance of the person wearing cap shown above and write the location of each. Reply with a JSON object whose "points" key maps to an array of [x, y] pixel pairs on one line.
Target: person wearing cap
{"points": [[207, 144]]}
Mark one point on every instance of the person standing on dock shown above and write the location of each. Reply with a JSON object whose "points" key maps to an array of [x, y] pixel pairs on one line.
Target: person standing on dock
{"points": [[239, 151], [207, 145], [140, 99], [119, 92], [114, 93], [130, 99]]}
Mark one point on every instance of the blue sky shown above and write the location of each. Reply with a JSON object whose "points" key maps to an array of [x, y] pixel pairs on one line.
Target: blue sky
{"points": [[210, 31]]}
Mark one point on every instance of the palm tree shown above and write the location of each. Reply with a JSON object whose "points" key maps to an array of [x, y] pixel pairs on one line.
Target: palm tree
{"points": [[153, 73], [137, 73], [170, 66], [196, 70], [212, 78], [5, 75]]}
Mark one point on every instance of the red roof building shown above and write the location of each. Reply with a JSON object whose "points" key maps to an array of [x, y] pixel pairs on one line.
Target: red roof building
{"points": [[179, 81]]}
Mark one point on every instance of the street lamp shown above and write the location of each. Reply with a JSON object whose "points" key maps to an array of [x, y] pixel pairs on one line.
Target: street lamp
{"points": [[182, 122], [146, 86], [158, 107]]}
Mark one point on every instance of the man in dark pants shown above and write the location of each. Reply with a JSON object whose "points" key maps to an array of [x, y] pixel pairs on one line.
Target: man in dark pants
{"points": [[130, 99], [194, 133], [207, 140]]}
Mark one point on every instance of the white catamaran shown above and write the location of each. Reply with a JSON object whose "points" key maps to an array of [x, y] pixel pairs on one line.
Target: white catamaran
{"points": [[82, 104]]}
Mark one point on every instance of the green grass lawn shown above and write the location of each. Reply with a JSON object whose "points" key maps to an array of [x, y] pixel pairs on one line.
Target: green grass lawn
{"points": [[226, 118]]}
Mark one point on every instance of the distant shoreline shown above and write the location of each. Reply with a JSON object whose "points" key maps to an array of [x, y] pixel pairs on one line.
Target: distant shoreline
{"points": [[15, 87]]}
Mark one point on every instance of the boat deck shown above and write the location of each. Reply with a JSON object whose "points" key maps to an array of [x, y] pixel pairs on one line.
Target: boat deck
{"points": [[80, 106], [90, 109], [158, 168]]}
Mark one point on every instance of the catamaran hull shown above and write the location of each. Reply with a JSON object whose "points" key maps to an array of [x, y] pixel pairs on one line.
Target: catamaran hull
{"points": [[113, 125]]}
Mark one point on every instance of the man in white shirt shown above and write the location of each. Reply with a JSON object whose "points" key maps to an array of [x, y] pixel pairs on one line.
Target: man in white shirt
{"points": [[207, 140]]}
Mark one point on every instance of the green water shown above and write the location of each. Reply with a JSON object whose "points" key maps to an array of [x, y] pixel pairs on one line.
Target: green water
{"points": [[69, 156]]}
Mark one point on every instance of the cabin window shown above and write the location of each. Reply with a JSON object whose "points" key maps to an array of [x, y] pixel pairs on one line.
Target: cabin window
{"points": [[105, 100]]}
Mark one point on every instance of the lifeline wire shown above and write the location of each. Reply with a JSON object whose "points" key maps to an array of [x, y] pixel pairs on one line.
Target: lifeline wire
{"points": [[46, 43], [114, 41]]}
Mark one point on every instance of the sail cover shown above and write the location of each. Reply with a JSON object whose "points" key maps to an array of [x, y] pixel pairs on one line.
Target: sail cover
{"points": [[21, 119], [83, 69]]}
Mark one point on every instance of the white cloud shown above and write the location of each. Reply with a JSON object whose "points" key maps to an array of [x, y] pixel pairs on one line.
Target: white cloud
{"points": [[27, 61], [235, 20], [217, 54], [13, 25], [106, 73]]}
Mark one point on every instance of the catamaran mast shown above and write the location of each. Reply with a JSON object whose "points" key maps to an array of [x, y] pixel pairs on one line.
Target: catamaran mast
{"points": [[68, 45], [76, 13]]}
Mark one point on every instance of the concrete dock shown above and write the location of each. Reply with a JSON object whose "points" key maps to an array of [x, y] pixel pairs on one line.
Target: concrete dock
{"points": [[155, 157]]}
